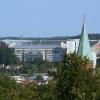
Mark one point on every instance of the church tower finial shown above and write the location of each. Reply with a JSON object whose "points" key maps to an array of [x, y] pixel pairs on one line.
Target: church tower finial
{"points": [[84, 18]]}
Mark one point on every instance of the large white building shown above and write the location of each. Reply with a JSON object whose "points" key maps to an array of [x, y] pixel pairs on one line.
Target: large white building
{"points": [[31, 49], [51, 50]]}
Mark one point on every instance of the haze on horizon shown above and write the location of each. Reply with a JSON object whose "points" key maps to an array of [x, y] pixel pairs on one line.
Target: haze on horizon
{"points": [[47, 18]]}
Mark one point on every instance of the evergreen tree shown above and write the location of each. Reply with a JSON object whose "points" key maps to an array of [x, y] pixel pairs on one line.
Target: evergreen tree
{"points": [[7, 56], [75, 82]]}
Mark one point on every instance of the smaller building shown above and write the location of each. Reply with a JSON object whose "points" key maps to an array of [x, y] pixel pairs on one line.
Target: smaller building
{"points": [[96, 49], [18, 79], [71, 45]]}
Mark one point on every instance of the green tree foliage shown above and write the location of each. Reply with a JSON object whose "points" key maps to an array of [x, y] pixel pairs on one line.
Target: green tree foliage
{"points": [[7, 56], [98, 62], [8, 88], [42, 65], [37, 66], [37, 92], [75, 82]]}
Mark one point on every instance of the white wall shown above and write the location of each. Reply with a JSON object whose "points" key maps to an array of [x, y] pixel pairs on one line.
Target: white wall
{"points": [[71, 45]]}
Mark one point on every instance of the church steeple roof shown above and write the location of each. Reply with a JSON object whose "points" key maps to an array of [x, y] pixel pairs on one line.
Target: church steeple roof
{"points": [[84, 45]]}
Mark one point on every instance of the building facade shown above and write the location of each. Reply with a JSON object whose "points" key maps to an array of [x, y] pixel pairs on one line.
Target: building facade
{"points": [[51, 50], [29, 50]]}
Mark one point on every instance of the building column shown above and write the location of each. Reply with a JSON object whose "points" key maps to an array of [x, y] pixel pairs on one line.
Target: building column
{"points": [[44, 54]]}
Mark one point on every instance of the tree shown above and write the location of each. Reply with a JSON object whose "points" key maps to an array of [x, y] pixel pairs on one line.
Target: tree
{"points": [[37, 66], [75, 82], [8, 88], [7, 56]]}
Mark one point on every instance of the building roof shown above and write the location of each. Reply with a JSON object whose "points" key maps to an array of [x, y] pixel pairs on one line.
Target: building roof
{"points": [[84, 45], [38, 47]]}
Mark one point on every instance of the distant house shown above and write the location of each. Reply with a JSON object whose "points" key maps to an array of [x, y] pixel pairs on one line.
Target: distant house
{"points": [[96, 49]]}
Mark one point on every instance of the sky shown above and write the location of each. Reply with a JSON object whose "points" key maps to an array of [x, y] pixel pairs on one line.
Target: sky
{"points": [[47, 18]]}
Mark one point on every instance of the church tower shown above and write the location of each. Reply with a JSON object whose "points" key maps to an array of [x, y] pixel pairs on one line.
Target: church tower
{"points": [[84, 46]]}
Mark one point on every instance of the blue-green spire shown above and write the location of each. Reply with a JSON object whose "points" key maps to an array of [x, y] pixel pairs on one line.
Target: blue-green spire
{"points": [[84, 45]]}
